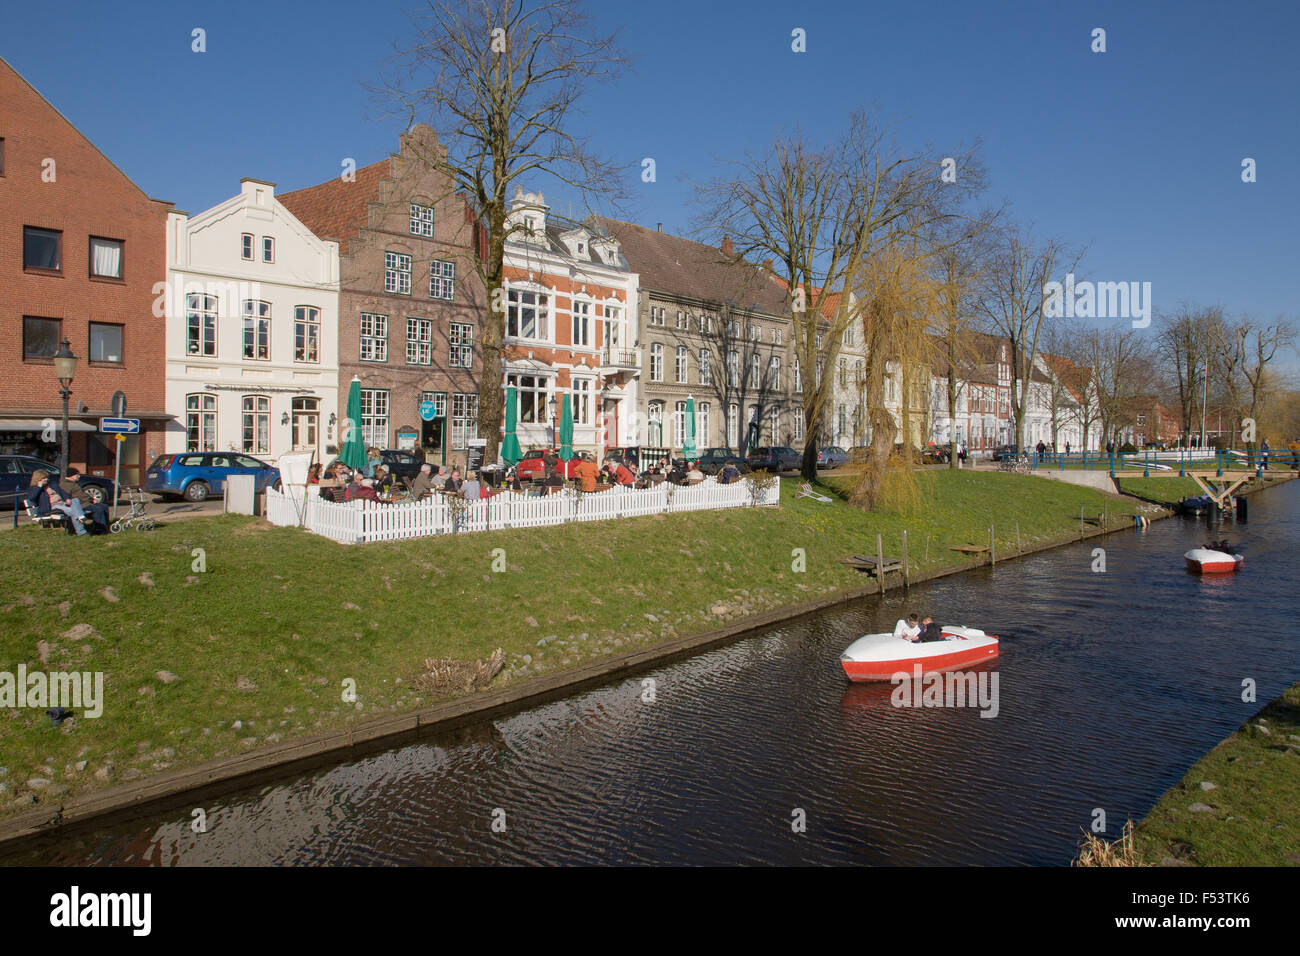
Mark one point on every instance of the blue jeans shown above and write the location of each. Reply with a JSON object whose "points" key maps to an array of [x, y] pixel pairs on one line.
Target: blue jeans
{"points": [[73, 509]]}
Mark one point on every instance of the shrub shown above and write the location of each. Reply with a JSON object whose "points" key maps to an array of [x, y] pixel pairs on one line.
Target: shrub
{"points": [[1128, 448]]}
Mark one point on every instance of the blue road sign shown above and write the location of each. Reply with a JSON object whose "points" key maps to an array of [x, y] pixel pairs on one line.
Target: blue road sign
{"points": [[119, 426]]}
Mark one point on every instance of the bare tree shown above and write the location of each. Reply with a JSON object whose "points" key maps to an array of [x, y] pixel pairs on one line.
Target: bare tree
{"points": [[819, 214], [1119, 362], [1245, 349], [499, 80], [1183, 345], [1013, 300]]}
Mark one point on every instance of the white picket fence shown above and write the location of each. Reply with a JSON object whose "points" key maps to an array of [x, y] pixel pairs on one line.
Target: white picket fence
{"points": [[356, 522]]}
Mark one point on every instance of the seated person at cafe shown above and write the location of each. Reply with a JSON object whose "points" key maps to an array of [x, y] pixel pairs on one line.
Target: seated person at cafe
{"points": [[471, 488], [512, 479], [586, 472], [694, 474], [678, 475], [625, 474], [422, 484], [71, 486], [362, 488], [46, 498], [729, 473], [383, 480], [453, 482]]}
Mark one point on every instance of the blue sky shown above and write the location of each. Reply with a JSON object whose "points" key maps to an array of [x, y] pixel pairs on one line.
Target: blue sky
{"points": [[1135, 152]]}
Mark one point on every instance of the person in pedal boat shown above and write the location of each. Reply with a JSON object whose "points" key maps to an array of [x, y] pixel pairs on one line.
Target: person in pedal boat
{"points": [[930, 631], [908, 627]]}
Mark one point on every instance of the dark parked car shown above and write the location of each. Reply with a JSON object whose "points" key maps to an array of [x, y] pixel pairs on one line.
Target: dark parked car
{"points": [[774, 458], [400, 464], [715, 459], [16, 477], [1004, 452], [196, 475]]}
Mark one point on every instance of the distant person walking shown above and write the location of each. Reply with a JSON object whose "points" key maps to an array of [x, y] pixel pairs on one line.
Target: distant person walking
{"points": [[1263, 454]]}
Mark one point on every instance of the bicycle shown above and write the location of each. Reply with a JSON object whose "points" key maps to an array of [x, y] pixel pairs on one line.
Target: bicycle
{"points": [[139, 517]]}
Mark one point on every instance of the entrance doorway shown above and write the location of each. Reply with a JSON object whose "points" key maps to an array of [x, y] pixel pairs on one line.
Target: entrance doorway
{"points": [[433, 434], [306, 424]]}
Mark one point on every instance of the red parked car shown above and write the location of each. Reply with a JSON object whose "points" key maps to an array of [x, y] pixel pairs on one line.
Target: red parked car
{"points": [[532, 466]]}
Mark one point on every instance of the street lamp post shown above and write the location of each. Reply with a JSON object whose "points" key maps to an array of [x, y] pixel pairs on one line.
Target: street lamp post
{"points": [[555, 429], [65, 367]]}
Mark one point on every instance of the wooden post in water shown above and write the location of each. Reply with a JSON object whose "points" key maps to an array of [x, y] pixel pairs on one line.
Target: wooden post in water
{"points": [[1019, 549], [907, 583], [1080, 522], [927, 548], [993, 557], [880, 563]]}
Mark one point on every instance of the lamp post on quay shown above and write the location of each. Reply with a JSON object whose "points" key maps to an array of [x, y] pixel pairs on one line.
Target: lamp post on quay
{"points": [[65, 367]]}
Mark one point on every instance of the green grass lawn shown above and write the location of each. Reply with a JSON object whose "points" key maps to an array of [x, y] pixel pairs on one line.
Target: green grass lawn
{"points": [[1250, 816], [1166, 489], [261, 640]]}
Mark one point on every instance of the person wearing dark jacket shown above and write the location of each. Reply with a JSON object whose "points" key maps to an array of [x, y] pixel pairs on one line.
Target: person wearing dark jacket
{"points": [[71, 486], [930, 631], [46, 498]]}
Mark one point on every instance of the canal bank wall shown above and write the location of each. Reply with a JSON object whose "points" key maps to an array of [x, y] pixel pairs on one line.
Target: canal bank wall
{"points": [[189, 787]]}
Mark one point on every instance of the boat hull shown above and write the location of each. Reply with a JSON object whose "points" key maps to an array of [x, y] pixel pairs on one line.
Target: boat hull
{"points": [[1206, 561], [880, 657]]}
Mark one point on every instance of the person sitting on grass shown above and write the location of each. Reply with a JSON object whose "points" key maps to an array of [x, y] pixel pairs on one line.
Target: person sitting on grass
{"points": [[98, 510], [47, 498]]}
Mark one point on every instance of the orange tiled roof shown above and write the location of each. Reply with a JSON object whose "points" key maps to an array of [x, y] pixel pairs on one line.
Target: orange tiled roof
{"points": [[337, 209]]}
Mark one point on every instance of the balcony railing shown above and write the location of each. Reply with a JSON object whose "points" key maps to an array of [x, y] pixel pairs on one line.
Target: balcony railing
{"points": [[622, 358]]}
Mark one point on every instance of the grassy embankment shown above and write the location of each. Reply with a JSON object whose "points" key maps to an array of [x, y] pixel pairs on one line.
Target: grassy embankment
{"points": [[1240, 804], [255, 648]]}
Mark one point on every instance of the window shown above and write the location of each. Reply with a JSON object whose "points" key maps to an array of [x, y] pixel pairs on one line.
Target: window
{"points": [[798, 425], [581, 323], [702, 439], [844, 421], [201, 325], [246, 246], [40, 338], [200, 422], [374, 417], [848, 336], [421, 221], [774, 372], [374, 337], [306, 334], [755, 333], [733, 369], [706, 324], [257, 424], [464, 419], [773, 426], [527, 315], [682, 319], [268, 249], [656, 363], [655, 424], [798, 379], [462, 345], [613, 325], [706, 368], [656, 315], [257, 331], [531, 392], [582, 401], [682, 363], [419, 341], [844, 372], [819, 340], [776, 336], [439, 400], [42, 249], [397, 273], [105, 343], [733, 425], [733, 329], [755, 375], [105, 258], [442, 280], [679, 424], [821, 364]]}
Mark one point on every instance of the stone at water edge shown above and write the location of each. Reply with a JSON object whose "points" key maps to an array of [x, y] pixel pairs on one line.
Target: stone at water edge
{"points": [[1206, 785]]}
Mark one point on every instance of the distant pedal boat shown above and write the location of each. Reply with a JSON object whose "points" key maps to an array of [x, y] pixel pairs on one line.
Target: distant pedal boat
{"points": [[1209, 561], [881, 656]]}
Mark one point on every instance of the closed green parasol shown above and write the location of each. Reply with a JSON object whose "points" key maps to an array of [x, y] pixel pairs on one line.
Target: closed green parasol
{"points": [[566, 429], [353, 452], [510, 452]]}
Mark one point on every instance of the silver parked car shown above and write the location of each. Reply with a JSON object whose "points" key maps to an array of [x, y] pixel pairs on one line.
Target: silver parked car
{"points": [[832, 456]]}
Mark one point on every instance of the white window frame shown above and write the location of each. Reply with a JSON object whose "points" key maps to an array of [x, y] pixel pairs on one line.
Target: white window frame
{"points": [[258, 324], [268, 249], [419, 340], [246, 251], [706, 367], [442, 280], [201, 421], [464, 419], [306, 329], [683, 364], [421, 220], [656, 362], [255, 424], [201, 324], [582, 393], [540, 307], [702, 440], [374, 417], [397, 273], [581, 325], [376, 338], [461, 344]]}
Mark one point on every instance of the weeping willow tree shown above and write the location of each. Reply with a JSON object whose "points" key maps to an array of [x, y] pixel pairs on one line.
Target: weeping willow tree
{"points": [[898, 295]]}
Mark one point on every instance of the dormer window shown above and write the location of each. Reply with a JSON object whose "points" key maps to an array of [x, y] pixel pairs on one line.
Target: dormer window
{"points": [[581, 248]]}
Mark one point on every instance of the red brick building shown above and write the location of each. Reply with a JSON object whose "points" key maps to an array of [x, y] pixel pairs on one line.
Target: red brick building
{"points": [[81, 247], [410, 300]]}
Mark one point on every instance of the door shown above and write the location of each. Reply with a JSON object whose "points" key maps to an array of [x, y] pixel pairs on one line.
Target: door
{"points": [[306, 424]]}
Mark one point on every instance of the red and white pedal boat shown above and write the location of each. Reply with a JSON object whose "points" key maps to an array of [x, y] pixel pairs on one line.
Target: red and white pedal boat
{"points": [[881, 656], [1213, 561]]}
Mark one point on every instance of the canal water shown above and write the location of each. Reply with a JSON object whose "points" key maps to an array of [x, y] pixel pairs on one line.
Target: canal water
{"points": [[1110, 685]]}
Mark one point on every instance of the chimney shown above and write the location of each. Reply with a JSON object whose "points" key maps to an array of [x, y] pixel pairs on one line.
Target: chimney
{"points": [[659, 228], [728, 249]]}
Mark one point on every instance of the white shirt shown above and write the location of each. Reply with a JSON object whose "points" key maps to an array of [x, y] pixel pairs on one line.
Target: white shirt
{"points": [[904, 630]]}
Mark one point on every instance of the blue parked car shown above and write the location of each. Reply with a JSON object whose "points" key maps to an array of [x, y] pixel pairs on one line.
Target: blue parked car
{"points": [[198, 474]]}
